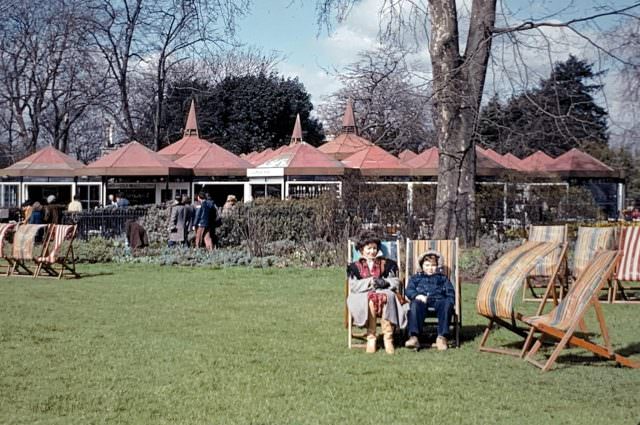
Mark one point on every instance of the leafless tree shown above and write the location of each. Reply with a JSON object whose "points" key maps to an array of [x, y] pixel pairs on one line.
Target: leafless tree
{"points": [[390, 96], [459, 57]]}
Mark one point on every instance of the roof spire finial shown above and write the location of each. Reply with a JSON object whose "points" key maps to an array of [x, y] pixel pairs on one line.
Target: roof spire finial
{"points": [[348, 119], [191, 129], [296, 136]]}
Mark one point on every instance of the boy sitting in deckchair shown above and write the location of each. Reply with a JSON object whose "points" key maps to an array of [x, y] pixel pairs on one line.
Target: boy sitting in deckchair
{"points": [[430, 289]]}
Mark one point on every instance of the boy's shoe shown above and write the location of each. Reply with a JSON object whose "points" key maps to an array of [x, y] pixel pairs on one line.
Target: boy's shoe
{"points": [[412, 342], [371, 344], [441, 343]]}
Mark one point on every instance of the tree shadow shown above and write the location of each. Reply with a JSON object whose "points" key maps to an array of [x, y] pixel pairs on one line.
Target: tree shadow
{"points": [[84, 275]]}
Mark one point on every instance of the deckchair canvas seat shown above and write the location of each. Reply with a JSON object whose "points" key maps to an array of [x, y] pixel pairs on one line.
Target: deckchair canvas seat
{"points": [[22, 252], [54, 254], [627, 276], [561, 322], [547, 265]]}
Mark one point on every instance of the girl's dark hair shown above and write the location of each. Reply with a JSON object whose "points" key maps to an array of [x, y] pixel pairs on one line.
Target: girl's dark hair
{"points": [[367, 237], [430, 257]]}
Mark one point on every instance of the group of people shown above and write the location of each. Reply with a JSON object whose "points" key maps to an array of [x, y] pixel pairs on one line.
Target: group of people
{"points": [[374, 293], [201, 218], [47, 212], [116, 201]]}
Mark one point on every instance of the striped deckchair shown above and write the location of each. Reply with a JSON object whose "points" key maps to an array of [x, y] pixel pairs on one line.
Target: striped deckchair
{"points": [[591, 240], [55, 254], [389, 249], [564, 319], [539, 276], [22, 252], [501, 282], [627, 276], [449, 251], [5, 229]]}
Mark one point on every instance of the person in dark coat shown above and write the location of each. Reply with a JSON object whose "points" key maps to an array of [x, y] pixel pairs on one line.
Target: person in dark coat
{"points": [[430, 289], [136, 235], [179, 223], [204, 222]]}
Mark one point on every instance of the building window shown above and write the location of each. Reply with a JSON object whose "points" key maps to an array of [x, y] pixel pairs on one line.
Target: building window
{"points": [[89, 196]]}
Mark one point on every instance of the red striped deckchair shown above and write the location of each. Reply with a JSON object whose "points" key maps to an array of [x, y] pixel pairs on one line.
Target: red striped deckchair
{"points": [[449, 250], [5, 229], [561, 323], [22, 252], [55, 254], [627, 275], [501, 282], [539, 276]]}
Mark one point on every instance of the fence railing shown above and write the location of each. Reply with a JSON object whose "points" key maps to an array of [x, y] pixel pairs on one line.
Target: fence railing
{"points": [[105, 222]]}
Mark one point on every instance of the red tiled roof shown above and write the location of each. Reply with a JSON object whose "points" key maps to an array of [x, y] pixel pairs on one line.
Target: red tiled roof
{"points": [[303, 159], [134, 159], [514, 161], [47, 162], [576, 161], [214, 161], [344, 145], [296, 135], [259, 157], [406, 155], [349, 119], [537, 161], [425, 163], [375, 161], [184, 146]]}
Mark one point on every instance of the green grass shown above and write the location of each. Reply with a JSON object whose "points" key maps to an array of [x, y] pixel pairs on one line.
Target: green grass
{"points": [[134, 344]]}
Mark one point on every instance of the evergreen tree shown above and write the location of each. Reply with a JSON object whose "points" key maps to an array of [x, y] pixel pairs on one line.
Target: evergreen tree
{"points": [[244, 113], [558, 115]]}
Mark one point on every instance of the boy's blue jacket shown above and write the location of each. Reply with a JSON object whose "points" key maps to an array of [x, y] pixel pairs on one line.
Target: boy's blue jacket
{"points": [[436, 286]]}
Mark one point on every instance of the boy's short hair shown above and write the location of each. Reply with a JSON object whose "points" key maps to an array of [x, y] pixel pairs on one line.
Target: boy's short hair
{"points": [[367, 237], [432, 256]]}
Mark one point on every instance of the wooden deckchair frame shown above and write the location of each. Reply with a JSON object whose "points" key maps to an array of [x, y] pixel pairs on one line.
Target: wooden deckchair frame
{"points": [[617, 288], [411, 263], [348, 320], [512, 324], [567, 337], [5, 229], [20, 263], [46, 268], [531, 283]]}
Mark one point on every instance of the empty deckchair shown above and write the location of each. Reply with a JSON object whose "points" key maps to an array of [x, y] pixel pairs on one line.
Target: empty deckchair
{"points": [[627, 276], [501, 282], [389, 249], [57, 258], [591, 240], [539, 276], [5, 229], [449, 251], [561, 323], [24, 245]]}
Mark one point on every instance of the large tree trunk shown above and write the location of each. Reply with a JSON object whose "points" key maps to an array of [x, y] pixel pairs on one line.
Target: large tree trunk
{"points": [[458, 83]]}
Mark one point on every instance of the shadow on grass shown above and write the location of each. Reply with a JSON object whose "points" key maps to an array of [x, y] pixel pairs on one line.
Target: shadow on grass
{"points": [[84, 275]]}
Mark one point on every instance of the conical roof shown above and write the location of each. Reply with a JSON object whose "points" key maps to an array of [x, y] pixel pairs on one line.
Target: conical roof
{"points": [[578, 163], [537, 161], [303, 159], [349, 119], [46, 162], [296, 135], [214, 160], [375, 161], [260, 157], [344, 145], [134, 159], [190, 141], [406, 155]]}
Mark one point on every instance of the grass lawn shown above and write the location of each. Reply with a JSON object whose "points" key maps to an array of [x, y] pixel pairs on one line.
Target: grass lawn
{"points": [[162, 345]]}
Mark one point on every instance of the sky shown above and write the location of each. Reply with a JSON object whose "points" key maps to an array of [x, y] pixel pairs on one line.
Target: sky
{"points": [[290, 28]]}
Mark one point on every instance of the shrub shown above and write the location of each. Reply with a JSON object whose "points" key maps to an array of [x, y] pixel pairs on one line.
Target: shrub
{"points": [[98, 250]]}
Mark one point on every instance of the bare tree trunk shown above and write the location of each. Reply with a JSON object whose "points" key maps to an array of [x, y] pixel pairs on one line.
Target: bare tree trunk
{"points": [[458, 85]]}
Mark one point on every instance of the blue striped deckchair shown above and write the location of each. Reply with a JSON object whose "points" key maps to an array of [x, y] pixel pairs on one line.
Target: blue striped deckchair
{"points": [[563, 320], [448, 248], [389, 249], [538, 277], [501, 282]]}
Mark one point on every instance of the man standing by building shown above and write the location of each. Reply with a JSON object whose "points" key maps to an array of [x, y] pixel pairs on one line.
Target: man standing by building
{"points": [[204, 222]]}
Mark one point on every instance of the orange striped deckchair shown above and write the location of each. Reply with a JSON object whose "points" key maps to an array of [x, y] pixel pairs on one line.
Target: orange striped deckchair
{"points": [[561, 323], [5, 229], [539, 276], [55, 254], [627, 276], [501, 282], [591, 240], [449, 250], [22, 252]]}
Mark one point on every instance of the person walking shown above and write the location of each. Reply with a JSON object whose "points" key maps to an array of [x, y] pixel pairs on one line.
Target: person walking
{"points": [[204, 222]]}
